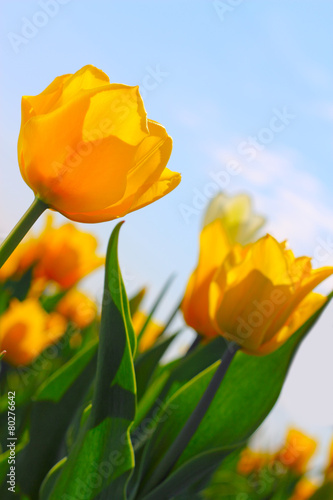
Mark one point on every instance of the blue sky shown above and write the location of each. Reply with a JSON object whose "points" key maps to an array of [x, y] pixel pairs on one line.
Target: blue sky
{"points": [[245, 83]]}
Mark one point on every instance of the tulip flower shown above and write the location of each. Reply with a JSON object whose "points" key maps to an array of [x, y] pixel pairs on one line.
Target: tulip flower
{"points": [[75, 306], [63, 254], [236, 215], [150, 334], [87, 150], [252, 461], [297, 451], [26, 330], [66, 254], [256, 295]]}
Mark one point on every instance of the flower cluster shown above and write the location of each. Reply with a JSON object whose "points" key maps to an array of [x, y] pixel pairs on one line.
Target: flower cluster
{"points": [[285, 470]]}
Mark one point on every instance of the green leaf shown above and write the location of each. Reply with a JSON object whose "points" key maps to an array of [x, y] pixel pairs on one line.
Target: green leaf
{"points": [[149, 397], [50, 302], [188, 474], [100, 462], [19, 288], [4, 299], [171, 377], [135, 302], [52, 410], [245, 397], [325, 492]]}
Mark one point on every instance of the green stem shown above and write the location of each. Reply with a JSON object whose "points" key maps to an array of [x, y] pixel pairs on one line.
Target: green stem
{"points": [[20, 230], [192, 424]]}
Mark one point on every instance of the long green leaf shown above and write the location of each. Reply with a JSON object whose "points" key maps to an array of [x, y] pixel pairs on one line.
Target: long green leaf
{"points": [[100, 462]]}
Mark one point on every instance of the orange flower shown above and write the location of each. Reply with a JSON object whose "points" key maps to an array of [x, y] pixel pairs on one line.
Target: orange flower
{"points": [[151, 333], [252, 461], [297, 451], [77, 307], [63, 254], [88, 151], [23, 257], [26, 330]]}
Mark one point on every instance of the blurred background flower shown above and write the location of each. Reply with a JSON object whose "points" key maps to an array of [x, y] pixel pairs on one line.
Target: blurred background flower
{"points": [[26, 330], [62, 255]]}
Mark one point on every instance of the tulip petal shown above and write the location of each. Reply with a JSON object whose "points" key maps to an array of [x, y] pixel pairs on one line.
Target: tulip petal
{"points": [[167, 182], [247, 308], [265, 256], [304, 288], [61, 90], [117, 111], [309, 305], [44, 102], [147, 180], [214, 246], [87, 78]]}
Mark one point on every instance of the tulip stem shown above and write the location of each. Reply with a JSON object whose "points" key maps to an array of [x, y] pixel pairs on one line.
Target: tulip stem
{"points": [[192, 424], [21, 229]]}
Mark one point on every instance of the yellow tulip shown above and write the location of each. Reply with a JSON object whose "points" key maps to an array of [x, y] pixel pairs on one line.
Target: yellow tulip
{"points": [[88, 151], [78, 308], [236, 215], [151, 333], [26, 330], [256, 295], [297, 451]]}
